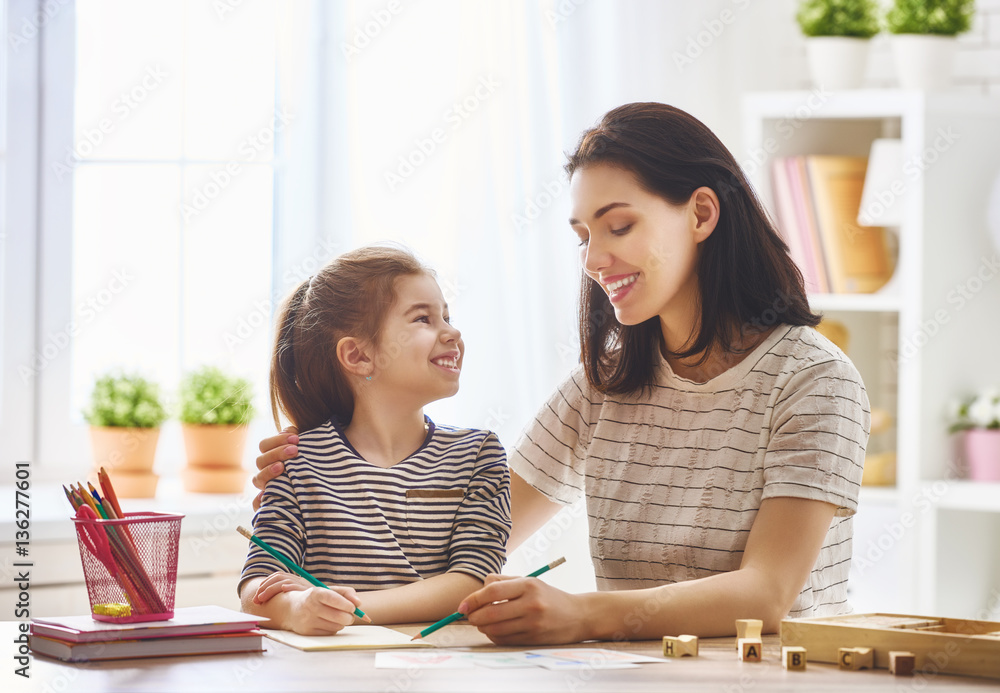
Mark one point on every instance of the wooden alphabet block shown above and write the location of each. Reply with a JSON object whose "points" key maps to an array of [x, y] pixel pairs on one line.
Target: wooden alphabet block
{"points": [[750, 649], [680, 646], [793, 658], [854, 658], [748, 628], [902, 663]]}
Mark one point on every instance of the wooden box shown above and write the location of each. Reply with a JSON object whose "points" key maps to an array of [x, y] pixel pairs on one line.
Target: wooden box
{"points": [[941, 645]]}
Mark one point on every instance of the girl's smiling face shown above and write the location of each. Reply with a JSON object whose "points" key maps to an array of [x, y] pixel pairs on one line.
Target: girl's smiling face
{"points": [[641, 249], [420, 353]]}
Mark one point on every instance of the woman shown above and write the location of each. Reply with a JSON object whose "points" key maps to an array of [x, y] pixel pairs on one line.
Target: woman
{"points": [[717, 438]]}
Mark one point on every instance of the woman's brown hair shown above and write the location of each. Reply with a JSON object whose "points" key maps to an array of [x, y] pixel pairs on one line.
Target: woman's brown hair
{"points": [[349, 297], [746, 279]]}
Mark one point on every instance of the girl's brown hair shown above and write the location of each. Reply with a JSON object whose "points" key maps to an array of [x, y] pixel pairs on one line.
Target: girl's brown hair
{"points": [[349, 297], [747, 282]]}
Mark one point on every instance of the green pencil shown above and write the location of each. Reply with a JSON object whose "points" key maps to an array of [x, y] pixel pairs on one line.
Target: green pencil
{"points": [[459, 615], [290, 564]]}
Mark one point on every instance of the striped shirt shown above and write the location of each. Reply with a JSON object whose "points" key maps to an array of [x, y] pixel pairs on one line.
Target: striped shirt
{"points": [[348, 522], [673, 479]]}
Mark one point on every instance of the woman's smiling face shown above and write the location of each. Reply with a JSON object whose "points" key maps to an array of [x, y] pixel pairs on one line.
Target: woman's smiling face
{"points": [[641, 249]]}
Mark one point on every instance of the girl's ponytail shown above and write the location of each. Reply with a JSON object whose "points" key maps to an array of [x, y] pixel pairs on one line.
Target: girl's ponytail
{"points": [[282, 380]]}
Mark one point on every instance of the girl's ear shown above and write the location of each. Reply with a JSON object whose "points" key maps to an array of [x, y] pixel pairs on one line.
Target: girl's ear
{"points": [[354, 357], [704, 205]]}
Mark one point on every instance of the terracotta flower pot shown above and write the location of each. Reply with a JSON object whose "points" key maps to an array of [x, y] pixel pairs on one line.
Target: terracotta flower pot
{"points": [[982, 452], [214, 458], [127, 454], [214, 446]]}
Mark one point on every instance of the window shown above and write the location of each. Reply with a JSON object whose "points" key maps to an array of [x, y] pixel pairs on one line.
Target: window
{"points": [[169, 176]]}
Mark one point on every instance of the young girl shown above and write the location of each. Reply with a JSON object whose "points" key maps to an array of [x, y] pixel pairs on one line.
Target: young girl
{"points": [[400, 516]]}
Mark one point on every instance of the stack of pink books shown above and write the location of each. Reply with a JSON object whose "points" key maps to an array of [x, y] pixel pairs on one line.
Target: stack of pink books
{"points": [[192, 631]]}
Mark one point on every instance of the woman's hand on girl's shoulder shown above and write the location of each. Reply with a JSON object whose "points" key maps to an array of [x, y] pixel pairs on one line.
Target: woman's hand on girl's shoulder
{"points": [[274, 451], [320, 611]]}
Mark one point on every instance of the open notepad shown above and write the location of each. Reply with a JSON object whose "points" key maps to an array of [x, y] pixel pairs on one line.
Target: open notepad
{"points": [[350, 638]]}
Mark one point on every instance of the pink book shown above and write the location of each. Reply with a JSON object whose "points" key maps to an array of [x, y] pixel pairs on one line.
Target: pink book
{"points": [[799, 181], [788, 224]]}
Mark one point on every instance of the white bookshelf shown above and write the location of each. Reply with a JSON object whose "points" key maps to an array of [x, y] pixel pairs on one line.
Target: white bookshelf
{"points": [[917, 342]]}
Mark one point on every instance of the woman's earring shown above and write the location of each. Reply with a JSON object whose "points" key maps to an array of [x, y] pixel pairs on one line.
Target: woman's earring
{"points": [[368, 378]]}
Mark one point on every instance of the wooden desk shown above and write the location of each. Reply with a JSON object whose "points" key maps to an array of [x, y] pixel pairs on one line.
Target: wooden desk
{"points": [[282, 668]]}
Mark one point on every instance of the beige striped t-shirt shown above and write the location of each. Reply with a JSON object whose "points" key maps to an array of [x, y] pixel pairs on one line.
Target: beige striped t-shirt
{"points": [[673, 479]]}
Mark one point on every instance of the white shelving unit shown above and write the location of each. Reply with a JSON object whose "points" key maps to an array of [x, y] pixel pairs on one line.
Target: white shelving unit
{"points": [[931, 544]]}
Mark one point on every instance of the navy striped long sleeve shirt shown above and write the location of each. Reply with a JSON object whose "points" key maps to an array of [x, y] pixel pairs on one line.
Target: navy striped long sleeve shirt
{"points": [[348, 522]]}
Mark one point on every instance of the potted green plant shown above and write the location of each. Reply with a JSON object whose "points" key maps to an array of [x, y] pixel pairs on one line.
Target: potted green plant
{"points": [[924, 39], [977, 417], [838, 33], [215, 408], [125, 413]]}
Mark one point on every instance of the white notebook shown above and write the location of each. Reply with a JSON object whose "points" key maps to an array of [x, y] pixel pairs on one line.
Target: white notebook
{"points": [[350, 638]]}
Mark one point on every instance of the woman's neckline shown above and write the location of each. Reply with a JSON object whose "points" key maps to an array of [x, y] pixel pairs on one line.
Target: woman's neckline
{"points": [[736, 371]]}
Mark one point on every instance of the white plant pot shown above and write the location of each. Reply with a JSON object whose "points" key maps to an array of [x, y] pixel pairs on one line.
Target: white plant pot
{"points": [[924, 61], [837, 62]]}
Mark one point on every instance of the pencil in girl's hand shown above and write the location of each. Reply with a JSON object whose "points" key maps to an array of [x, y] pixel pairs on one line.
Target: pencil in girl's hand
{"points": [[292, 566], [459, 615]]}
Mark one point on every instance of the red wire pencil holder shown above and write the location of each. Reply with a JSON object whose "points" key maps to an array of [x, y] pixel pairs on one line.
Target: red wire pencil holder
{"points": [[130, 565]]}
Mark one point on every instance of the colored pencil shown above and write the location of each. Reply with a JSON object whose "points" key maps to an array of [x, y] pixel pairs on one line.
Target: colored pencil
{"points": [[109, 491], [132, 576], [292, 566], [112, 500], [458, 615]]}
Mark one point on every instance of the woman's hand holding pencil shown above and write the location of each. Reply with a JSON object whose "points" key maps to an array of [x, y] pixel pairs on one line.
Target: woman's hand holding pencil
{"points": [[523, 611], [464, 607]]}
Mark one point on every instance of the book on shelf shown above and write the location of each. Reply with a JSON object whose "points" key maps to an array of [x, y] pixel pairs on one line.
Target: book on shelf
{"points": [[192, 630], [216, 643], [817, 199]]}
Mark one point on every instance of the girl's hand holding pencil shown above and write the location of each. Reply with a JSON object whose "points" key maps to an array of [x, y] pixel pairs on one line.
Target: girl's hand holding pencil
{"points": [[316, 610]]}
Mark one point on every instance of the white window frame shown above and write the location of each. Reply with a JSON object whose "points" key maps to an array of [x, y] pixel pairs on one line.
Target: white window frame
{"points": [[20, 204], [36, 286]]}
